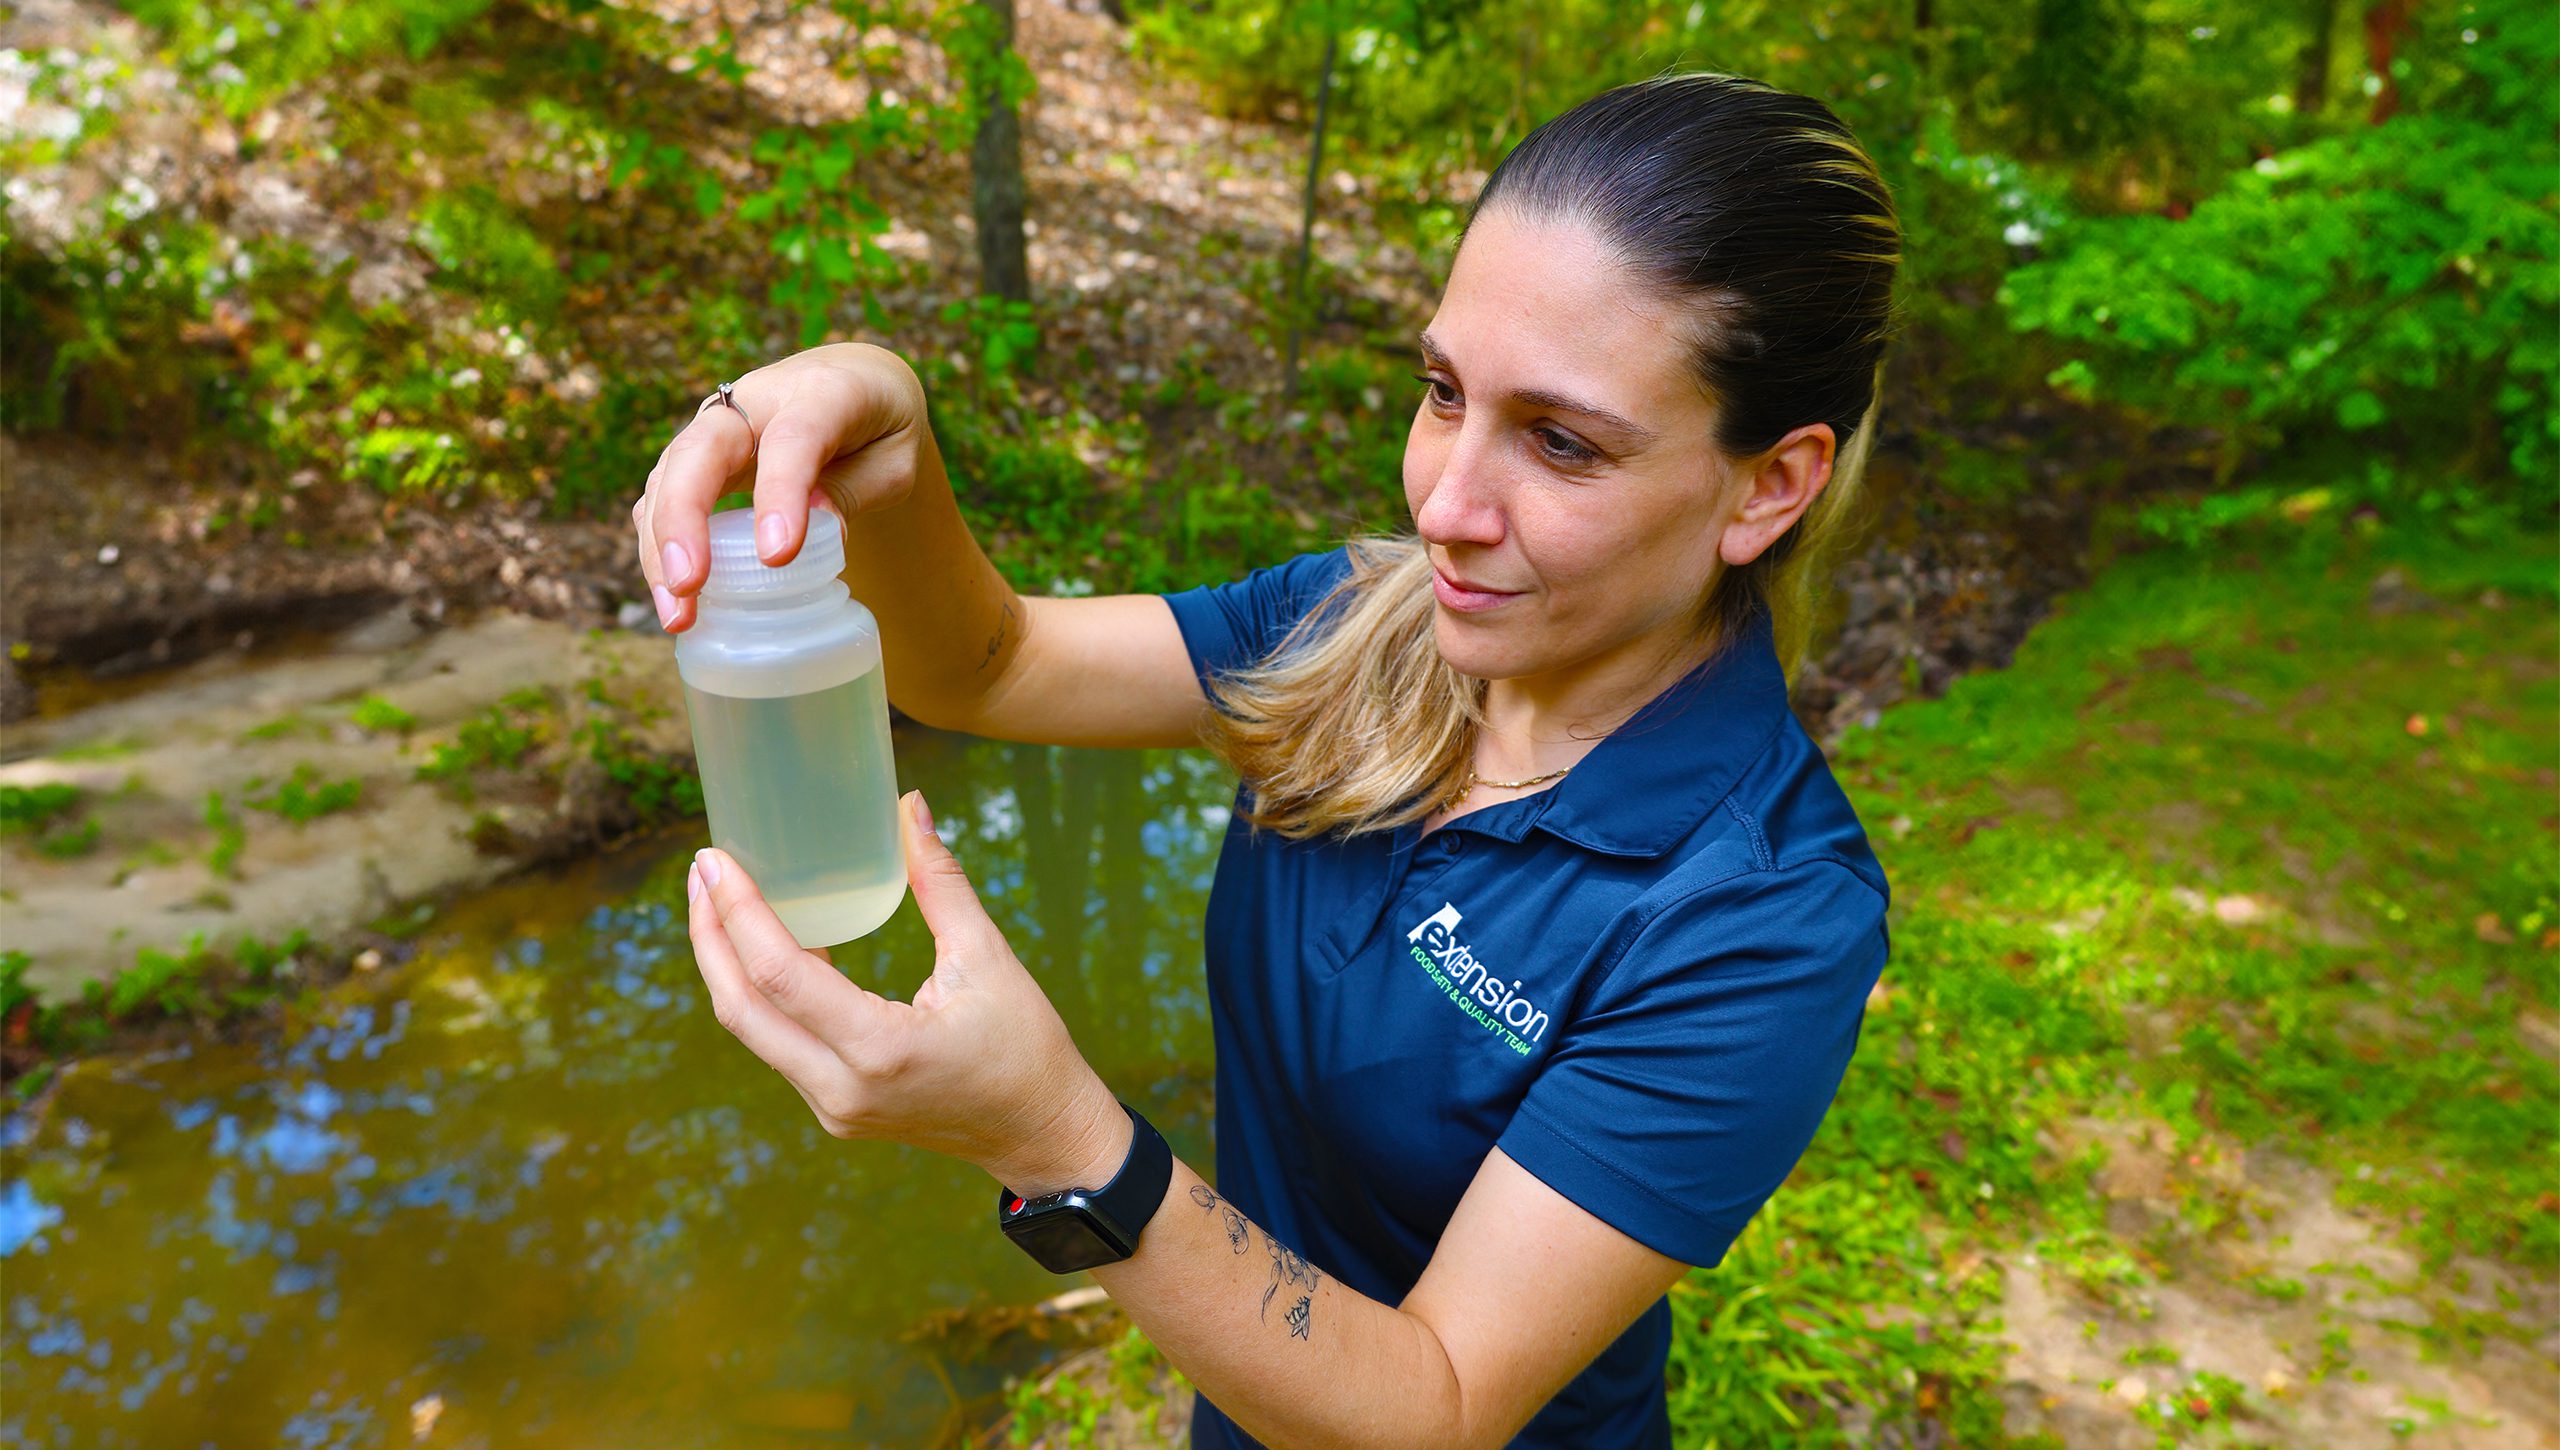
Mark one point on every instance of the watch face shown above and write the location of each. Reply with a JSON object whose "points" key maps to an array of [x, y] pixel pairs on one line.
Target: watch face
{"points": [[1063, 1240]]}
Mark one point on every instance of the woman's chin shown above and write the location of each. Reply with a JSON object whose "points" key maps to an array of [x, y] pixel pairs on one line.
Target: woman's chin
{"points": [[1477, 652]]}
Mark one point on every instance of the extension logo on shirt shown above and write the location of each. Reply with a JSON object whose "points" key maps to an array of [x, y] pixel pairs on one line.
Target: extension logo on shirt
{"points": [[1496, 1006]]}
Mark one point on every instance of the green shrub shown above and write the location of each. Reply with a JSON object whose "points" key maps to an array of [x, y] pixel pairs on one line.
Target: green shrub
{"points": [[245, 52], [482, 248], [2385, 290]]}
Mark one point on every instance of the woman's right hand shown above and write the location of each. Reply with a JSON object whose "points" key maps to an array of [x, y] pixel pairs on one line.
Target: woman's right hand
{"points": [[848, 418]]}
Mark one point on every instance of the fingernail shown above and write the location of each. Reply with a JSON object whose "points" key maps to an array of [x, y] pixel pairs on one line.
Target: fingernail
{"points": [[709, 865], [693, 882], [666, 603], [678, 562], [924, 817], [772, 532]]}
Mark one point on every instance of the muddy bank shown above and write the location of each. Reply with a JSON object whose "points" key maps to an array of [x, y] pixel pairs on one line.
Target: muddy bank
{"points": [[122, 560], [254, 795]]}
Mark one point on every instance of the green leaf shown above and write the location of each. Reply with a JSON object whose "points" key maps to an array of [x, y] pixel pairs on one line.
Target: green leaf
{"points": [[2074, 379]]}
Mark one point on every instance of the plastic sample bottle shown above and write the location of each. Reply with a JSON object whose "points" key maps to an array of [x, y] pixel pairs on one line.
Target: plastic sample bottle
{"points": [[790, 714]]}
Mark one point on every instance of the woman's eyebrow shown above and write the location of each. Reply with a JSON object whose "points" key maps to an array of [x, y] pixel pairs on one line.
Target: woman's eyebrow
{"points": [[1557, 402]]}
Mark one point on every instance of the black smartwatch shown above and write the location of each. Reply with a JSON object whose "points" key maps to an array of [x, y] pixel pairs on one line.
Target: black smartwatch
{"points": [[1078, 1228]]}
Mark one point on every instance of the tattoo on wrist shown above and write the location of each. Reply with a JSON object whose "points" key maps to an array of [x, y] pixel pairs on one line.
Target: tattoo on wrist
{"points": [[1288, 1266]]}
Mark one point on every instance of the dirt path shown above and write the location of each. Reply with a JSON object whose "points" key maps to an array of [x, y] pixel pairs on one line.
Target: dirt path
{"points": [[2316, 1307]]}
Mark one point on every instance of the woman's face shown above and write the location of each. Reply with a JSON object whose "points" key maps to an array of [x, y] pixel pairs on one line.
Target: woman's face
{"points": [[1560, 468]]}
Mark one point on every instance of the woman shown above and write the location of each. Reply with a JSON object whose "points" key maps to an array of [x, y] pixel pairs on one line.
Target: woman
{"points": [[1539, 942]]}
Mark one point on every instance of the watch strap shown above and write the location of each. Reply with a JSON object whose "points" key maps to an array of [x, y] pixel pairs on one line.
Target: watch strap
{"points": [[1135, 1192], [1117, 1212]]}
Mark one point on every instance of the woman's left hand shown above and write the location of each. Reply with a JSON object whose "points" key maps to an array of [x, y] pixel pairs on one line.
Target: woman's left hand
{"points": [[978, 1066]]}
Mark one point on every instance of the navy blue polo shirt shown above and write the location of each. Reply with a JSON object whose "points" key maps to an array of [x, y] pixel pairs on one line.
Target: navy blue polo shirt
{"points": [[1642, 983]]}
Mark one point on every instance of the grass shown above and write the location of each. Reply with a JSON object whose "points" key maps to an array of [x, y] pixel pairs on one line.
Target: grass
{"points": [[281, 727], [379, 716], [230, 836], [2223, 849], [303, 796], [199, 983], [1067, 1409], [2226, 832], [28, 809], [498, 738], [50, 817], [656, 788], [2239, 851]]}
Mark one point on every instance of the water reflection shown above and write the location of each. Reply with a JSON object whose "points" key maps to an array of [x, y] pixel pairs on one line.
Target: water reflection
{"points": [[527, 1188]]}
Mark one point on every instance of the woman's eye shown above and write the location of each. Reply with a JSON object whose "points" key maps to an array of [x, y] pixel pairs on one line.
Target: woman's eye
{"points": [[1432, 388], [1565, 448]]}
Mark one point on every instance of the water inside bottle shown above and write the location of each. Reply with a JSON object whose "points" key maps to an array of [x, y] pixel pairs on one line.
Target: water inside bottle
{"points": [[802, 791]]}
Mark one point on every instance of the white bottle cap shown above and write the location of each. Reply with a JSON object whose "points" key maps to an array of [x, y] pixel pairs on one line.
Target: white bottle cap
{"points": [[737, 571]]}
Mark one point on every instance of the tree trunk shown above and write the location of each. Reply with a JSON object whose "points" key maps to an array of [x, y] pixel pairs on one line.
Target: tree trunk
{"points": [[2311, 82], [995, 164], [1307, 227], [2384, 22]]}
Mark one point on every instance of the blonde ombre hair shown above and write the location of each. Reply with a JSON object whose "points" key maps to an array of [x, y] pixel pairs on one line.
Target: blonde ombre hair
{"points": [[1757, 209]]}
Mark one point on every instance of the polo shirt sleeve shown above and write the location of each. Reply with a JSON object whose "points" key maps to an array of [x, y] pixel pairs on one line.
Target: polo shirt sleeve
{"points": [[1686, 1088], [1227, 627]]}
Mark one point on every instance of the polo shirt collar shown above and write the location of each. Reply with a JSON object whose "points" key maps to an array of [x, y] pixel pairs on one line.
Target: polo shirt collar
{"points": [[1649, 783]]}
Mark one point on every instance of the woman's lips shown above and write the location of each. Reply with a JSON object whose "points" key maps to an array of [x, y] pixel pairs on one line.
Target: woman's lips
{"points": [[1464, 599]]}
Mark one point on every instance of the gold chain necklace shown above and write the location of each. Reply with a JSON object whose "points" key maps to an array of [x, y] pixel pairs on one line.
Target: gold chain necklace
{"points": [[1473, 780]]}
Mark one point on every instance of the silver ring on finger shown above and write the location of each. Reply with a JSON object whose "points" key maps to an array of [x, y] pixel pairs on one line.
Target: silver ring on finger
{"points": [[728, 393]]}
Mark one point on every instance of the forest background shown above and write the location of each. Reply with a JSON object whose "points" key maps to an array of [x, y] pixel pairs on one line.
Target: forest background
{"points": [[2229, 370]]}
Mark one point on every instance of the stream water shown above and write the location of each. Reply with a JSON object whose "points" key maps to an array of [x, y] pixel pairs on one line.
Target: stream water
{"points": [[523, 1191]]}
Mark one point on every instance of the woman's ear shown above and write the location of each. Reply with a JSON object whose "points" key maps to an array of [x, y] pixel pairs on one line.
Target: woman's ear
{"points": [[1780, 486]]}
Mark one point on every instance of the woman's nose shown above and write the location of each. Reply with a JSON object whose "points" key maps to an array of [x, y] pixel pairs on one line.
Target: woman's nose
{"points": [[1462, 504]]}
